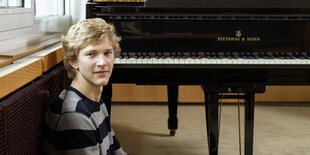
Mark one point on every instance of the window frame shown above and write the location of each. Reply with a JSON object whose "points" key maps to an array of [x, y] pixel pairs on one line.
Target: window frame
{"points": [[21, 22], [7, 1]]}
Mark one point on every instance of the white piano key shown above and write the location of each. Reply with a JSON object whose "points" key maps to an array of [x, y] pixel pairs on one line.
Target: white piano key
{"points": [[230, 61], [298, 61], [145, 61], [241, 61], [176, 61], [214, 61], [303, 61], [203, 61], [260, 61], [192, 61], [266, 61], [286, 61], [133, 61]]}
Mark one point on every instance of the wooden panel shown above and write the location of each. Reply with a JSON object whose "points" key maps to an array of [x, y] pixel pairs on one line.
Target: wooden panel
{"points": [[139, 93], [285, 94], [51, 57], [194, 94], [5, 61], [18, 75]]}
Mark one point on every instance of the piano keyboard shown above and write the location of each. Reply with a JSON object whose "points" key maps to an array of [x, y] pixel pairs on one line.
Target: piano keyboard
{"points": [[212, 61], [219, 58]]}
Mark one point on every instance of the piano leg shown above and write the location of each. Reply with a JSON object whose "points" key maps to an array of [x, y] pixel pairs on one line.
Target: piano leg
{"points": [[211, 93], [106, 96], [249, 124], [207, 107], [172, 106], [211, 107]]}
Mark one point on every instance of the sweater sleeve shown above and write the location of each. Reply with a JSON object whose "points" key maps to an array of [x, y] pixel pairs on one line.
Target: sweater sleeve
{"points": [[76, 134]]}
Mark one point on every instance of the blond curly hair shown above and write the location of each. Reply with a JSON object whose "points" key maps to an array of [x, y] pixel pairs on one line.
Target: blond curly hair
{"points": [[84, 33]]}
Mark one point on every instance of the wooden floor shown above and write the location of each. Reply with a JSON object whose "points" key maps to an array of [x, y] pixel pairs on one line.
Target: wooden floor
{"points": [[278, 130]]}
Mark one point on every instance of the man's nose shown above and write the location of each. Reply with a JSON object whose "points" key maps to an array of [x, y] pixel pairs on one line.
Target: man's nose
{"points": [[101, 61]]}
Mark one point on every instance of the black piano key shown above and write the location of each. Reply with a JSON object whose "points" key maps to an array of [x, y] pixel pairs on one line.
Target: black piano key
{"points": [[124, 55], [228, 55], [131, 54], [208, 55], [151, 55], [235, 55], [193, 55], [138, 55], [166, 55], [263, 55], [144, 55], [243, 55], [214, 55], [186, 55], [201, 54]]}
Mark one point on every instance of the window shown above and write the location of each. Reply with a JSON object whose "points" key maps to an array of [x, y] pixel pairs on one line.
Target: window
{"points": [[11, 3], [49, 8]]}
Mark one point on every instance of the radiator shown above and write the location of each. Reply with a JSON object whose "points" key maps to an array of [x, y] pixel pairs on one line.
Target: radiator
{"points": [[22, 113]]}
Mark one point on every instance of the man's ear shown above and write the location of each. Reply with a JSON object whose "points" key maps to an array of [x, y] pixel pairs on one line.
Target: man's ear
{"points": [[73, 63]]}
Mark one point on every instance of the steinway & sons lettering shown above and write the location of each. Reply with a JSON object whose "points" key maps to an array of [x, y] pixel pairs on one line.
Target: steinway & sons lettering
{"points": [[238, 38]]}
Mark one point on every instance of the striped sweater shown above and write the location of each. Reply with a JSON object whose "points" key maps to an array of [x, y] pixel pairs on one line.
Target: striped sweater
{"points": [[77, 125]]}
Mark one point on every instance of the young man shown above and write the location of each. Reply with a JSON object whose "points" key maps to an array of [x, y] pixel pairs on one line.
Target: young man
{"points": [[78, 122]]}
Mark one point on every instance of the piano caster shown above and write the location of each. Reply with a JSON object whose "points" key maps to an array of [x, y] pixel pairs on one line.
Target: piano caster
{"points": [[172, 132]]}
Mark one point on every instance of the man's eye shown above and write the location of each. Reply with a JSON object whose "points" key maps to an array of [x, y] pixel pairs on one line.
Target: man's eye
{"points": [[107, 53], [90, 54]]}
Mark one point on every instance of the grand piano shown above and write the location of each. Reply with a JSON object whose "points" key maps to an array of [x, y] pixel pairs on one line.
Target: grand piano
{"points": [[232, 47]]}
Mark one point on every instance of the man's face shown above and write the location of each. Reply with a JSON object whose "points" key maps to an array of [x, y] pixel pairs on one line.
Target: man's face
{"points": [[94, 63]]}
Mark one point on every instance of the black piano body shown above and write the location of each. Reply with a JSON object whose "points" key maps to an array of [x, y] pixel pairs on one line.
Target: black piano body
{"points": [[225, 46]]}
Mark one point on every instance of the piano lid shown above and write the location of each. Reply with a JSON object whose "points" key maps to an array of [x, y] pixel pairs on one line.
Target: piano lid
{"points": [[121, 1], [294, 4], [210, 6], [258, 4]]}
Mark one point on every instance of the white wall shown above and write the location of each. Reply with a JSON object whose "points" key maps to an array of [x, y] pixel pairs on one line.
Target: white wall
{"points": [[76, 9]]}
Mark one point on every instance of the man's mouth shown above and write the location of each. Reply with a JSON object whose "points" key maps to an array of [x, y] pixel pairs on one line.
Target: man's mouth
{"points": [[101, 73]]}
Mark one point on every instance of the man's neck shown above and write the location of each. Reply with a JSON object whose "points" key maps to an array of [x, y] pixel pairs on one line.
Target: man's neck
{"points": [[90, 91]]}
